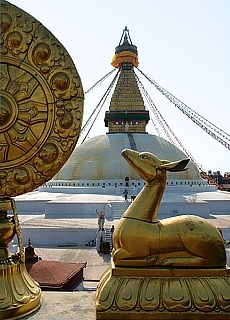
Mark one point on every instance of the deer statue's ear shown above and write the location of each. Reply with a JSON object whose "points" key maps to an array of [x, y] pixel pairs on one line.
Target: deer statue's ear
{"points": [[161, 164], [175, 166], [165, 161]]}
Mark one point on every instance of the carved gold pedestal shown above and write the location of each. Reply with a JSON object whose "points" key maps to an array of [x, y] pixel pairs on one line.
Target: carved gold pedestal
{"points": [[19, 293], [164, 293]]}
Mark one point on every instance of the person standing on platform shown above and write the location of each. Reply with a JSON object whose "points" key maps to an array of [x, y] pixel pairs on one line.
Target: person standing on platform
{"points": [[112, 231], [101, 220], [125, 193]]}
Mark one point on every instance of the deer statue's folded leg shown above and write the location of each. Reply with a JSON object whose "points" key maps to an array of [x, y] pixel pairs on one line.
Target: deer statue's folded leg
{"points": [[121, 257]]}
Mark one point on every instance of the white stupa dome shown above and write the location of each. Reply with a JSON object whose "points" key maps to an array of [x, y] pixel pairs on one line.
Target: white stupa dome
{"points": [[99, 158]]}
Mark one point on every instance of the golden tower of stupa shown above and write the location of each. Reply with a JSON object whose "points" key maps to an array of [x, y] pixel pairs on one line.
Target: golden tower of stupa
{"points": [[127, 111]]}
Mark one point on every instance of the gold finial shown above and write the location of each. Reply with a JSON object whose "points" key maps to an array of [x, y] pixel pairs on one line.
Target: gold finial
{"points": [[126, 54]]}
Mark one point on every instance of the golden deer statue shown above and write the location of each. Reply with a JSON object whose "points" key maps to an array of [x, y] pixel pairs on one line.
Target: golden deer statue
{"points": [[141, 240]]}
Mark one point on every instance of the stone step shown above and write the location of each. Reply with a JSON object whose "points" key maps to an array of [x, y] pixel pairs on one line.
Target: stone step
{"points": [[119, 207]]}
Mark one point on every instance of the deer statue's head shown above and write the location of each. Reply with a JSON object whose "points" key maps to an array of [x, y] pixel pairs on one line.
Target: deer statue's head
{"points": [[149, 167]]}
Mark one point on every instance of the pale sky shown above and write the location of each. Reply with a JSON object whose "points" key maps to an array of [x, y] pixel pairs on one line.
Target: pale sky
{"points": [[184, 45]]}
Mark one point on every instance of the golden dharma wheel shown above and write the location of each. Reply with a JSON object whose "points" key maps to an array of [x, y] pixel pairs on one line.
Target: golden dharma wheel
{"points": [[41, 103]]}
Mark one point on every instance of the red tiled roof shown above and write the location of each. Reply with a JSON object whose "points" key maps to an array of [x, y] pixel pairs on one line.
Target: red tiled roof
{"points": [[55, 275]]}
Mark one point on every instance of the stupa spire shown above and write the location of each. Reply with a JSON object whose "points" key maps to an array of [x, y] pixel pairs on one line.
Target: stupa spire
{"points": [[127, 112]]}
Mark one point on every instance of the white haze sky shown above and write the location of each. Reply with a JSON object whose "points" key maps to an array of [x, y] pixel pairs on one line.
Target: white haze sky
{"points": [[184, 45]]}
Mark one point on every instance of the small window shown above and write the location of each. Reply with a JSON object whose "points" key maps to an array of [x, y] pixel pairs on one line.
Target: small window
{"points": [[175, 212]]}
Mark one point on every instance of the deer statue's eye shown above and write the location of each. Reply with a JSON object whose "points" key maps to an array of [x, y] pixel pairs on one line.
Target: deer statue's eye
{"points": [[143, 156]]}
